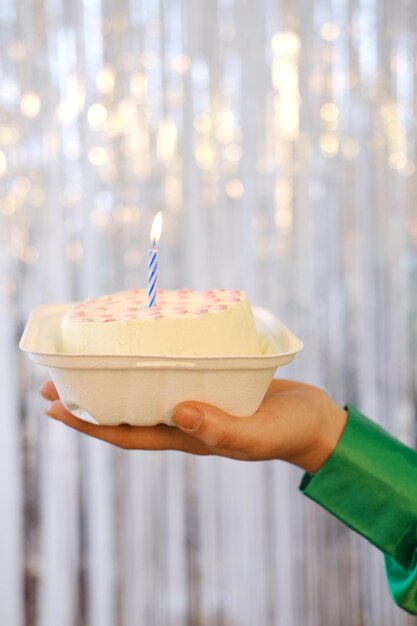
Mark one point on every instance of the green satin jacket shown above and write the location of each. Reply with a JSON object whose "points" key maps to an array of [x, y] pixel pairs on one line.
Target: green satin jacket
{"points": [[369, 482]]}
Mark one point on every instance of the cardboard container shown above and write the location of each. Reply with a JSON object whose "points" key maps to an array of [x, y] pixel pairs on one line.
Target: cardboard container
{"points": [[143, 390]]}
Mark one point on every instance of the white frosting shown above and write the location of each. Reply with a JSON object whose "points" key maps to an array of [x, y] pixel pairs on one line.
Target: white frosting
{"points": [[184, 323]]}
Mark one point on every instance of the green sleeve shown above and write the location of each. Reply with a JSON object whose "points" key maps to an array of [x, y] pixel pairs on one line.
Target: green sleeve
{"points": [[369, 482]]}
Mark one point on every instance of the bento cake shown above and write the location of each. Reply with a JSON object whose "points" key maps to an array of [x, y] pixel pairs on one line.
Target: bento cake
{"points": [[184, 323]]}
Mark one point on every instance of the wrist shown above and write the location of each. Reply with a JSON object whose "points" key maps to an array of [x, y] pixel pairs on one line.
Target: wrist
{"points": [[330, 433]]}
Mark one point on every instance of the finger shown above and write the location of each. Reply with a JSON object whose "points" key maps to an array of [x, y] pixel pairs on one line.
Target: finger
{"points": [[160, 437], [209, 424], [256, 437], [222, 430], [48, 390]]}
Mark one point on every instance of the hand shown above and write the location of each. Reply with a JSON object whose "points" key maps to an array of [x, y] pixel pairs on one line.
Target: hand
{"points": [[297, 423]]}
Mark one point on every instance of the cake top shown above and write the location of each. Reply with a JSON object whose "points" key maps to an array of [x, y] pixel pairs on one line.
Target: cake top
{"points": [[125, 306]]}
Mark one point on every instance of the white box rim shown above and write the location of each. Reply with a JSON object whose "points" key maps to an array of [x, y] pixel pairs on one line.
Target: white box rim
{"points": [[28, 344]]}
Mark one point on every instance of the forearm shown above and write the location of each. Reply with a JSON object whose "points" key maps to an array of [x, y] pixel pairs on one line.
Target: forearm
{"points": [[369, 482]]}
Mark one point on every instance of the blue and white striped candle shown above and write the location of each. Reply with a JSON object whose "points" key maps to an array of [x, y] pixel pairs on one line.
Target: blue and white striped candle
{"points": [[153, 260]]}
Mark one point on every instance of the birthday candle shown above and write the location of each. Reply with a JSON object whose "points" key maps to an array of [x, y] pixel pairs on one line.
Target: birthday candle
{"points": [[153, 260]]}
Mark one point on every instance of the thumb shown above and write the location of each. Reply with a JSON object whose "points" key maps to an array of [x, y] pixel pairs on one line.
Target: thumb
{"points": [[207, 423]]}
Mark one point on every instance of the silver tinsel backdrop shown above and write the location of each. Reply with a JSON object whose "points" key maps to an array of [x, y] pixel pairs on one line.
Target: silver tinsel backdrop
{"points": [[278, 137]]}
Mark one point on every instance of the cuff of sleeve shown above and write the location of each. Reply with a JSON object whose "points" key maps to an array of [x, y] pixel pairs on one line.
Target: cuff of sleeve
{"points": [[369, 482]]}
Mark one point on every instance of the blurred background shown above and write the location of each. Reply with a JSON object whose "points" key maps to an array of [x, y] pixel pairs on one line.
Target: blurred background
{"points": [[278, 137]]}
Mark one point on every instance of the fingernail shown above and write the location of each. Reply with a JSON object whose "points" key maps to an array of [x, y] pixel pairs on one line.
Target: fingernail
{"points": [[188, 417], [44, 394]]}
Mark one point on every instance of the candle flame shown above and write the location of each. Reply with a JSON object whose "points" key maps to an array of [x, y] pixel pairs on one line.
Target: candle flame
{"points": [[156, 228]]}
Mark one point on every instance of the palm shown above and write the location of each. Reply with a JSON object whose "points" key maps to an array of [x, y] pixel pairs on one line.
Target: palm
{"points": [[288, 425]]}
